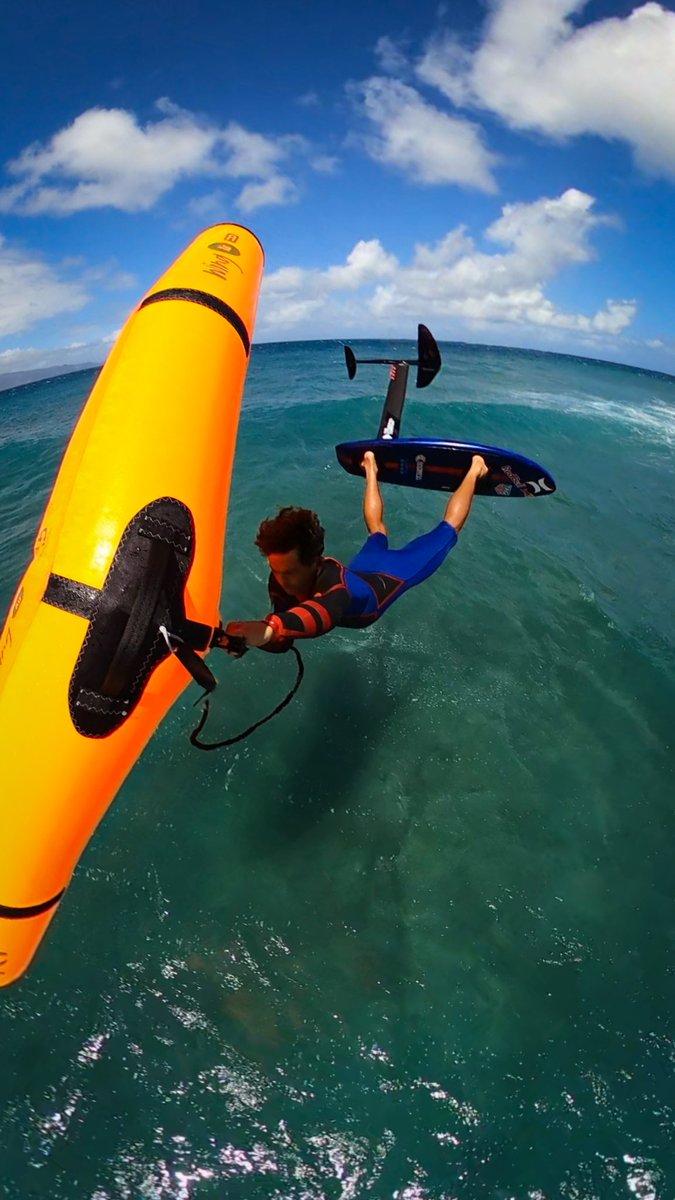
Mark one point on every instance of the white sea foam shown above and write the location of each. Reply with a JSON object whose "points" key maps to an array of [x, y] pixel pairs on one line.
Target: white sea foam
{"points": [[655, 418]]}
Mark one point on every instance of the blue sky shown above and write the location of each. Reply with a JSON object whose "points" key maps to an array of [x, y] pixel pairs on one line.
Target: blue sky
{"points": [[503, 172]]}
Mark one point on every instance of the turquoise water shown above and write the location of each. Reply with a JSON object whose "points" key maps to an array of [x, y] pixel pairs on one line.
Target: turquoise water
{"points": [[414, 939]]}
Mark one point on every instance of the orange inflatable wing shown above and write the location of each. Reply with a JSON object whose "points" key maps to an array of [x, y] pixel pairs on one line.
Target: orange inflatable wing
{"points": [[132, 540]]}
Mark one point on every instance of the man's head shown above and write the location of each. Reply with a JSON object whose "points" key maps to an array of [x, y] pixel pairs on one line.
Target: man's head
{"points": [[292, 543]]}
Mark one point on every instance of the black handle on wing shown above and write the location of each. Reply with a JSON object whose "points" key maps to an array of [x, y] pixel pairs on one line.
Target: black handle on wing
{"points": [[428, 361], [236, 646]]}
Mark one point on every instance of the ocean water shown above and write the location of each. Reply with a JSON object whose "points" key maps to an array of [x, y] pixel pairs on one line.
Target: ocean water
{"points": [[414, 939]]}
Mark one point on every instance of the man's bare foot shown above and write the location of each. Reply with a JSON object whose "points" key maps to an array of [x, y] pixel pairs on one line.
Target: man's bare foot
{"points": [[370, 462], [479, 467]]}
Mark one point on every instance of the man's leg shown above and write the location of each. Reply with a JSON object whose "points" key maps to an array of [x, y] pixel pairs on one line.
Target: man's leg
{"points": [[459, 504], [373, 507], [416, 561]]}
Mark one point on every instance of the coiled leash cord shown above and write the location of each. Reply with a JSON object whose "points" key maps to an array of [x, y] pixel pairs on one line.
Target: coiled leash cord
{"points": [[237, 648]]}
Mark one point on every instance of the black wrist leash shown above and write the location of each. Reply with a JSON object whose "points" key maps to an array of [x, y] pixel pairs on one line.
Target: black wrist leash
{"points": [[237, 647]]}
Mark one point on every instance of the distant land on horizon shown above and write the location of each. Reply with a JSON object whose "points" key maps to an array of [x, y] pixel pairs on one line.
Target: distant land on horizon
{"points": [[14, 379], [18, 378]]}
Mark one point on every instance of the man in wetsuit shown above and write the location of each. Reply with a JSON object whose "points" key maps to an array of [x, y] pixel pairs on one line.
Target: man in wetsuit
{"points": [[311, 594]]}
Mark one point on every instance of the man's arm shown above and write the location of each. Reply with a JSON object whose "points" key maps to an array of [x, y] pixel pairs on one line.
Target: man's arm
{"points": [[309, 619], [316, 616], [260, 633], [281, 601]]}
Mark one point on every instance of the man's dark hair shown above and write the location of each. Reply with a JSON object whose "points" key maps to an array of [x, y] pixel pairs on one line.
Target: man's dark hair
{"points": [[292, 529]]}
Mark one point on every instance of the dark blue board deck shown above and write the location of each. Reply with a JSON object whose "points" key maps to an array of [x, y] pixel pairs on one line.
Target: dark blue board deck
{"points": [[441, 466]]}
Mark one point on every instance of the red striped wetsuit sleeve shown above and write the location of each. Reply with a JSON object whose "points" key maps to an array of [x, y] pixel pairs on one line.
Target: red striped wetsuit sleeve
{"points": [[318, 615]]}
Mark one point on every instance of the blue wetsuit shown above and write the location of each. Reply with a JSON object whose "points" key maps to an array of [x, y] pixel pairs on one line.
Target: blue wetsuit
{"points": [[358, 594]]}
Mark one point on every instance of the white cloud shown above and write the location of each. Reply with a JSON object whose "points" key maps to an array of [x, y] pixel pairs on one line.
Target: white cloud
{"points": [[105, 158], [367, 263], [308, 100], [291, 294], [427, 145], [277, 190], [453, 282], [325, 164], [390, 56], [538, 71], [210, 206], [291, 313], [32, 291], [109, 277], [253, 154], [551, 232]]}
